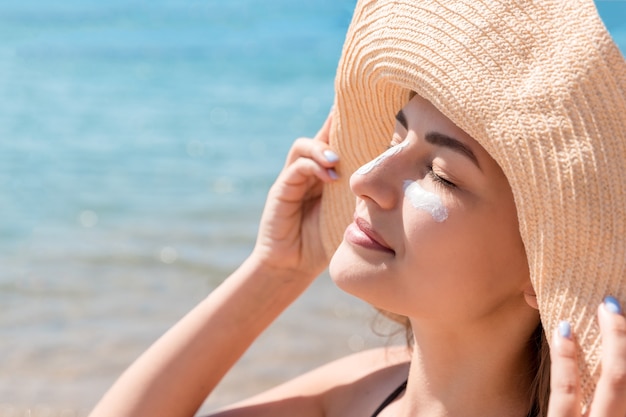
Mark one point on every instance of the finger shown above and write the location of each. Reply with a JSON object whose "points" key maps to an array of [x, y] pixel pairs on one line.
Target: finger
{"points": [[296, 181], [323, 134], [610, 395], [316, 150], [564, 379]]}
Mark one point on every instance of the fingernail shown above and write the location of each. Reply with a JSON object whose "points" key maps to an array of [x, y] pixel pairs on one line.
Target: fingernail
{"points": [[333, 174], [331, 156], [565, 330], [612, 305]]}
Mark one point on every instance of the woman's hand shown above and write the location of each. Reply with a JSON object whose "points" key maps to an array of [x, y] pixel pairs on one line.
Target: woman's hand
{"points": [[289, 236], [610, 396]]}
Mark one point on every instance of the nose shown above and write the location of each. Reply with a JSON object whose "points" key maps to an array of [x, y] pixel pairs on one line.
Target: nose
{"points": [[380, 180]]}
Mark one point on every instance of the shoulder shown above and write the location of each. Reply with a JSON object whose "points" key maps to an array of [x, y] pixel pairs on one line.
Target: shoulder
{"points": [[362, 365], [350, 386], [365, 379]]}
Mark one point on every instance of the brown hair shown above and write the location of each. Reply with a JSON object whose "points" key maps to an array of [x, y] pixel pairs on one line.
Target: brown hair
{"points": [[540, 386]]}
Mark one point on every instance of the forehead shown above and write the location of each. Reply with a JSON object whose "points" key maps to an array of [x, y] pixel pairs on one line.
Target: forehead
{"points": [[423, 117]]}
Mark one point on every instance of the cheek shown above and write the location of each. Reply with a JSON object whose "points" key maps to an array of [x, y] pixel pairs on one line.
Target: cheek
{"points": [[506, 246], [447, 240], [373, 282], [428, 230], [485, 246], [420, 199]]}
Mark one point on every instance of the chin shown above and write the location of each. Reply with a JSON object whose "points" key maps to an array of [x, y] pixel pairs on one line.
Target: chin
{"points": [[354, 275], [338, 265]]}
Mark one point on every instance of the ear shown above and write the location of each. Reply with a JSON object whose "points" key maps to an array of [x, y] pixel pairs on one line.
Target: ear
{"points": [[530, 296]]}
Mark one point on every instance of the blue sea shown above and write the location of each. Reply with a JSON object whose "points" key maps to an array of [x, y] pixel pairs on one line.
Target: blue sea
{"points": [[137, 142]]}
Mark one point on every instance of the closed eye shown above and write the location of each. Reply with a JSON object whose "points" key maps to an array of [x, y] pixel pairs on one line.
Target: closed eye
{"points": [[440, 179]]}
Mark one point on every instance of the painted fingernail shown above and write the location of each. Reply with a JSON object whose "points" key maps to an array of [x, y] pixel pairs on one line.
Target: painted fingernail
{"points": [[333, 174], [612, 305], [565, 330], [331, 156]]}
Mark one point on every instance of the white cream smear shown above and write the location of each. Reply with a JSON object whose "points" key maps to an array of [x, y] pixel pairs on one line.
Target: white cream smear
{"points": [[425, 200], [380, 158]]}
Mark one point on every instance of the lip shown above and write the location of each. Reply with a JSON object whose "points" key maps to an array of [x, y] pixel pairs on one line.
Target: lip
{"points": [[360, 233]]}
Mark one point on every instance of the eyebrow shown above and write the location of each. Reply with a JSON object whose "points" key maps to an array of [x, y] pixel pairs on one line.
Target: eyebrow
{"points": [[440, 139]]}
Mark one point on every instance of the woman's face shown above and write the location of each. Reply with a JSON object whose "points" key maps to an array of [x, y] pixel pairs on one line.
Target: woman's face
{"points": [[435, 234]]}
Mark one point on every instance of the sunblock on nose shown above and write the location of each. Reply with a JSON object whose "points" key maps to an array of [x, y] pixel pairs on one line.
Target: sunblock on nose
{"points": [[425, 200], [380, 158]]}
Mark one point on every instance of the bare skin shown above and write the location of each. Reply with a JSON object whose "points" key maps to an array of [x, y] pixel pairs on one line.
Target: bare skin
{"points": [[174, 376]]}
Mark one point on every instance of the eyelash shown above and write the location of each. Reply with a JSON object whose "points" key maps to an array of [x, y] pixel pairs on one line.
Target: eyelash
{"points": [[439, 179], [431, 173]]}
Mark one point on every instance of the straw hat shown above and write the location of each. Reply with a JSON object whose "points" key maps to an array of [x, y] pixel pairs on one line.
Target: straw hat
{"points": [[542, 87]]}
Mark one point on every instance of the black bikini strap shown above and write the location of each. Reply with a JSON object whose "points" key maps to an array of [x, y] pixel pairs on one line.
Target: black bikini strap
{"points": [[390, 398]]}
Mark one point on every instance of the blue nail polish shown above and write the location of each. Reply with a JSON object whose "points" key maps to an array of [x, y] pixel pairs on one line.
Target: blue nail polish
{"points": [[565, 329], [333, 174], [331, 156], [612, 304]]}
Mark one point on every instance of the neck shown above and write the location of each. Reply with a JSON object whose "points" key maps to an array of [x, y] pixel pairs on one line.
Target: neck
{"points": [[480, 370]]}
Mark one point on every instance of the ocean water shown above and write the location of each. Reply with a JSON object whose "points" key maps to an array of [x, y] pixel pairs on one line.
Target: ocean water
{"points": [[137, 142], [613, 14]]}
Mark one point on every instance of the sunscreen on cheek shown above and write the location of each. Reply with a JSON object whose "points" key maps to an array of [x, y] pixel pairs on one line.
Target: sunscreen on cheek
{"points": [[425, 200], [380, 158]]}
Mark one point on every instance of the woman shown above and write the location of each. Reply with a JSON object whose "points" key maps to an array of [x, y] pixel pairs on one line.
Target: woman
{"points": [[495, 215]]}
